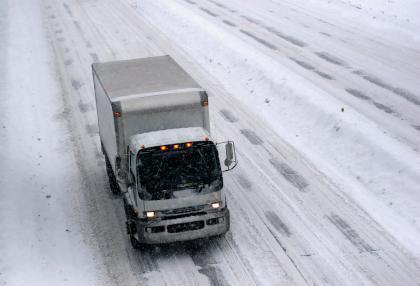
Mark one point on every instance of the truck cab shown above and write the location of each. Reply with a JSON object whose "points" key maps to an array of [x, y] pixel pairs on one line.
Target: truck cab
{"points": [[175, 187]]}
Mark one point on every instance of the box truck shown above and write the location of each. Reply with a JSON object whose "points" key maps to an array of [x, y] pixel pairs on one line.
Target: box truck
{"points": [[154, 128]]}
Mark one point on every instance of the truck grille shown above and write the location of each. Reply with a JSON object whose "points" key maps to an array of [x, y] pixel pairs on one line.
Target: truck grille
{"points": [[188, 226], [183, 210]]}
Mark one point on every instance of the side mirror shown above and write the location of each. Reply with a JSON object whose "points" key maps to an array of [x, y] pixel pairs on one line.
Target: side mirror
{"points": [[230, 160], [229, 154]]}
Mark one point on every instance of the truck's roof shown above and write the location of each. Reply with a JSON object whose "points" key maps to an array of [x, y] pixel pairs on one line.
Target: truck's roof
{"points": [[142, 76], [167, 137]]}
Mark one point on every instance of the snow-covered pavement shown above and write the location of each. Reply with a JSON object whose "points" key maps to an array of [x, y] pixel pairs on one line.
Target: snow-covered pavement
{"points": [[324, 113], [43, 238]]}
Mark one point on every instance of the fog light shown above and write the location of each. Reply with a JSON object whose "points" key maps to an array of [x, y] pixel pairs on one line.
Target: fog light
{"points": [[150, 214], [215, 205]]}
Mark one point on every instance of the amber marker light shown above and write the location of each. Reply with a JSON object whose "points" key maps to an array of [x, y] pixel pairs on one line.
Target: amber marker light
{"points": [[176, 146], [163, 148], [188, 145]]}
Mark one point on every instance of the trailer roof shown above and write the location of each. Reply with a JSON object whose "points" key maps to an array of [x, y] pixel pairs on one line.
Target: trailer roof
{"points": [[142, 76]]}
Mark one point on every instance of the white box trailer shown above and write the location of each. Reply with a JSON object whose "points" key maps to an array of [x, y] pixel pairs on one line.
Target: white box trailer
{"points": [[154, 127]]}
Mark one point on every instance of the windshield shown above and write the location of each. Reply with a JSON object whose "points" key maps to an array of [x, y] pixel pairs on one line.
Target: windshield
{"points": [[186, 171]]}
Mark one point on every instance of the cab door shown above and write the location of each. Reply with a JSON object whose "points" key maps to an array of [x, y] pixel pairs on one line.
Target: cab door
{"points": [[138, 203]]}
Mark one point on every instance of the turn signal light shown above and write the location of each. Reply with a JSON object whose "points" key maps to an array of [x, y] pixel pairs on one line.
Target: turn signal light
{"points": [[176, 146], [188, 145], [163, 148]]}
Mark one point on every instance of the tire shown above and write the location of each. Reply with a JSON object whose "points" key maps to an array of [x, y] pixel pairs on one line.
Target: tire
{"points": [[129, 212], [135, 243], [218, 236], [131, 227], [115, 189]]}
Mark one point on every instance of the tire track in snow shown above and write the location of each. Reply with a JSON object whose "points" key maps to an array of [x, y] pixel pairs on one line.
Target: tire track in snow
{"points": [[222, 6], [383, 107], [85, 107], [350, 233], [260, 40], [309, 67], [68, 10], [229, 23], [228, 115], [360, 95], [209, 12], [252, 136], [324, 75], [272, 30], [68, 62], [94, 57], [409, 96], [331, 59], [303, 64], [290, 39], [288, 256], [290, 175], [79, 29], [251, 20], [201, 254], [277, 223], [76, 84], [244, 182]]}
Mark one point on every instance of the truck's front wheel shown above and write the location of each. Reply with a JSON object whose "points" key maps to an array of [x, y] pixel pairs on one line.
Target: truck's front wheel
{"points": [[131, 227], [135, 243], [132, 232]]}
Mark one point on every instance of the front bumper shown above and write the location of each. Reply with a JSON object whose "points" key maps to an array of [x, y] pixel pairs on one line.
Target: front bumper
{"points": [[181, 229]]}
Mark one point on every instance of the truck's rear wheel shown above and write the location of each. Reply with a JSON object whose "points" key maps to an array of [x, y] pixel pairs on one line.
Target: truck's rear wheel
{"points": [[115, 189]]}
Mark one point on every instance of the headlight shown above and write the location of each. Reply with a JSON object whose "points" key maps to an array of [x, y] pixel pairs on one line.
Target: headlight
{"points": [[150, 214], [215, 205]]}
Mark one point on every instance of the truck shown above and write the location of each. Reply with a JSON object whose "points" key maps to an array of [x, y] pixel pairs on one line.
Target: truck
{"points": [[160, 157]]}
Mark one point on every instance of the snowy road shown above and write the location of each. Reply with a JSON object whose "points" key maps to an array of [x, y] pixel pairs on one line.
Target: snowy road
{"points": [[320, 197]]}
